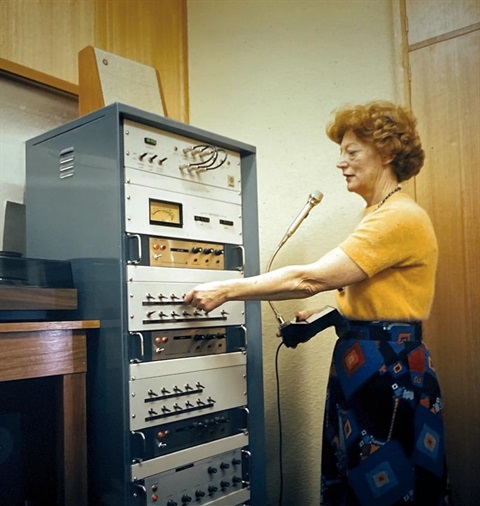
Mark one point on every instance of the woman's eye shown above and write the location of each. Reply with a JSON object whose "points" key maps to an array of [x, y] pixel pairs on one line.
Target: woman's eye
{"points": [[352, 154]]}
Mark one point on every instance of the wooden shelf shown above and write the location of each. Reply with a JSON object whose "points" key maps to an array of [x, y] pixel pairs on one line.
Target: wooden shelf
{"points": [[30, 74]]}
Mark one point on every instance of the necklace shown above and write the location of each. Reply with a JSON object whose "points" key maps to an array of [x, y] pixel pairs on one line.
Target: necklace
{"points": [[380, 204]]}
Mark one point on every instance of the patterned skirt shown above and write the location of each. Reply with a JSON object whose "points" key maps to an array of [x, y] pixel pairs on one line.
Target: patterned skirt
{"points": [[383, 437]]}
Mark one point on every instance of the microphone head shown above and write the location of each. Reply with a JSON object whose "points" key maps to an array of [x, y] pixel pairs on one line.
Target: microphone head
{"points": [[315, 197]]}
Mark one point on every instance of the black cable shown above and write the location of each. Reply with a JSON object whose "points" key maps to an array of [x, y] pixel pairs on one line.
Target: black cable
{"points": [[280, 435], [222, 162]]}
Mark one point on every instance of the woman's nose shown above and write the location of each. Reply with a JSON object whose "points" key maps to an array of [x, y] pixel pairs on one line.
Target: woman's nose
{"points": [[342, 162]]}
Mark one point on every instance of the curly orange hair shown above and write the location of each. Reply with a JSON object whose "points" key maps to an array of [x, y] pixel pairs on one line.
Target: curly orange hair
{"points": [[389, 128]]}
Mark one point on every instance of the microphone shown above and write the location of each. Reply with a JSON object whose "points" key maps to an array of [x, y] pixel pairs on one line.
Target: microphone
{"points": [[313, 199]]}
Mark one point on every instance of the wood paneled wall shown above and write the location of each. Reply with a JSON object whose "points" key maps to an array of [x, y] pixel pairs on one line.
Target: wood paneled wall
{"points": [[47, 35], [444, 58]]}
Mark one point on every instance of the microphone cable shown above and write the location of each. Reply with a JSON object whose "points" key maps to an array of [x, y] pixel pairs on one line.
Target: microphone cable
{"points": [[313, 199], [280, 430]]}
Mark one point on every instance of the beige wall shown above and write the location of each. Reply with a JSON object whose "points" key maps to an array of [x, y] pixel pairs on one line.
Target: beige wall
{"points": [[269, 73]]}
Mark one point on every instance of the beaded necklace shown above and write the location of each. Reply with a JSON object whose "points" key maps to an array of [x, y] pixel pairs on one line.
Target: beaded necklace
{"points": [[398, 188]]}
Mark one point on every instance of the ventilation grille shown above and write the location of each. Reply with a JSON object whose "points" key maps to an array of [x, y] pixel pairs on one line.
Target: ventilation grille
{"points": [[67, 163]]}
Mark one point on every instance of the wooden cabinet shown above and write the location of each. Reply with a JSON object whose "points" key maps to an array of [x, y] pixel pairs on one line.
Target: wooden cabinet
{"points": [[54, 350]]}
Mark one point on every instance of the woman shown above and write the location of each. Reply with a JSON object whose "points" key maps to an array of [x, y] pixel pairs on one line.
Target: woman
{"points": [[383, 440]]}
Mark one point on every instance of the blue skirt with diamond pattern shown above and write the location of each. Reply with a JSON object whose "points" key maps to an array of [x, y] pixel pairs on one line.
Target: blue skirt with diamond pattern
{"points": [[383, 437]]}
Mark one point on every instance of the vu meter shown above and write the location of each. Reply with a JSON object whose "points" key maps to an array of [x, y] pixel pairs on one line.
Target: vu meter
{"points": [[166, 213]]}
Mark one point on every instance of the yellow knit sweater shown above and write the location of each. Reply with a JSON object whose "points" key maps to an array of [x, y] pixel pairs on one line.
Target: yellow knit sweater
{"points": [[395, 245]]}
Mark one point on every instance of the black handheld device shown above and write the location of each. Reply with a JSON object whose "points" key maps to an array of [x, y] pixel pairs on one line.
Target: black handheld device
{"points": [[296, 332]]}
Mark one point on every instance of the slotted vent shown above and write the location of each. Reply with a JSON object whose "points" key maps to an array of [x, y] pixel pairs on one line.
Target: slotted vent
{"points": [[67, 163]]}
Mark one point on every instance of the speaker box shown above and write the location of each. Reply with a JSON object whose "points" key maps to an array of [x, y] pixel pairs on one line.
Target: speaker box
{"points": [[105, 78]]}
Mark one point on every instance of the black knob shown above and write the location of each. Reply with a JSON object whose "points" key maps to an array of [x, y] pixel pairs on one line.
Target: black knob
{"points": [[236, 462], [212, 470], [236, 479], [212, 489], [224, 465], [197, 249], [171, 503], [208, 251], [199, 493], [224, 484], [186, 498], [218, 252]]}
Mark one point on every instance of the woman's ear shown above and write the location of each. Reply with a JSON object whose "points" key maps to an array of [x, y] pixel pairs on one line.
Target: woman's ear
{"points": [[387, 160]]}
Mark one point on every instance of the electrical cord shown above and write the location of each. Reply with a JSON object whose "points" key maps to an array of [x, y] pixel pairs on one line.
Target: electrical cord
{"points": [[280, 432], [211, 163]]}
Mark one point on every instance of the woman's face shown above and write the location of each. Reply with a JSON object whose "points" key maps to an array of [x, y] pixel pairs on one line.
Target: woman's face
{"points": [[361, 165]]}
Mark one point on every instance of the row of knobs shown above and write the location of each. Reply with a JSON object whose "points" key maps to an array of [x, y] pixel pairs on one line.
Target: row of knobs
{"points": [[199, 494], [207, 251], [151, 158]]}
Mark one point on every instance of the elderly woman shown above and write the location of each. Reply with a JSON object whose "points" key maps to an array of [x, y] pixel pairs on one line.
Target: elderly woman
{"points": [[383, 437]]}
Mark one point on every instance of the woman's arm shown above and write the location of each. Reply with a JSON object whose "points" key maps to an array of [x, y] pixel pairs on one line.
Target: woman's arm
{"points": [[333, 270]]}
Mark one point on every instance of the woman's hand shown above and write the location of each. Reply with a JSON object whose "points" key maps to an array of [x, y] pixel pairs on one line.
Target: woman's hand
{"points": [[303, 315], [207, 296]]}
